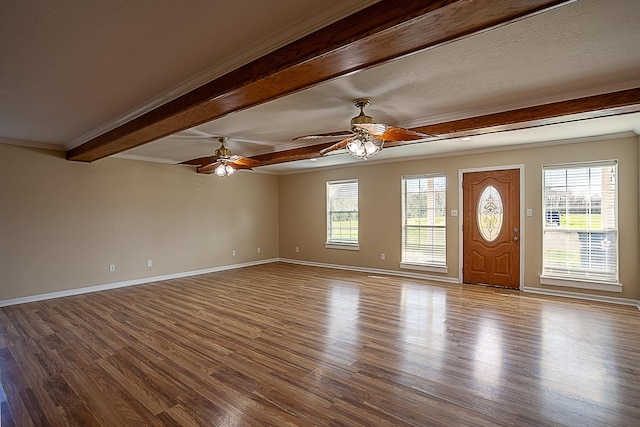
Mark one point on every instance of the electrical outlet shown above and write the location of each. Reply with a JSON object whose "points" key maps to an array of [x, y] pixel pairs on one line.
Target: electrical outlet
{"points": [[233, 253], [112, 267], [297, 249], [149, 263], [383, 257], [258, 250]]}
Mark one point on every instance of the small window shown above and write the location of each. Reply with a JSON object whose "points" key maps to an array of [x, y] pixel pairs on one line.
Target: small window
{"points": [[424, 221], [580, 231], [489, 213], [342, 214]]}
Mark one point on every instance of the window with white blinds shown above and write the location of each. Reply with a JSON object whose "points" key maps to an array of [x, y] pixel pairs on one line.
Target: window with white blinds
{"points": [[424, 218], [342, 212], [580, 222]]}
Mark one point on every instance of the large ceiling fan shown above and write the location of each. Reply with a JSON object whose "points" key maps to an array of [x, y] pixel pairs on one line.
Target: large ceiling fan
{"points": [[366, 137], [222, 163]]}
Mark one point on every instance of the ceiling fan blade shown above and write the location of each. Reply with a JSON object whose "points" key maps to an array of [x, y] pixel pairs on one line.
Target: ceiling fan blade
{"points": [[337, 146], [392, 133], [241, 166], [244, 162], [200, 161], [401, 134], [208, 168], [343, 134]]}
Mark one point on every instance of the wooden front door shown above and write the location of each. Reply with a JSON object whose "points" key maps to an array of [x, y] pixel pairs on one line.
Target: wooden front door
{"points": [[491, 228]]}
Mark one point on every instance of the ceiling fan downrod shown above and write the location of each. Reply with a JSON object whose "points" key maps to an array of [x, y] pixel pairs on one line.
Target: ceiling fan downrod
{"points": [[222, 152], [361, 118]]}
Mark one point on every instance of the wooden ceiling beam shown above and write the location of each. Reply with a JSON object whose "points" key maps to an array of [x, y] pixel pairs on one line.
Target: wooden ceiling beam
{"points": [[384, 31], [300, 153], [590, 107]]}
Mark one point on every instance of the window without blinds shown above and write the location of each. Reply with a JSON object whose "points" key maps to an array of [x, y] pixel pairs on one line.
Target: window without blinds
{"points": [[580, 232], [424, 233], [342, 212]]}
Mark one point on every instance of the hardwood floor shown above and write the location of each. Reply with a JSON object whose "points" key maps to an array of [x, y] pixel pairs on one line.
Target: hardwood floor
{"points": [[281, 344]]}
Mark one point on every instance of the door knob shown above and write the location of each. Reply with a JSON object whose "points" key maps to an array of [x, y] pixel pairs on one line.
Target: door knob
{"points": [[515, 238]]}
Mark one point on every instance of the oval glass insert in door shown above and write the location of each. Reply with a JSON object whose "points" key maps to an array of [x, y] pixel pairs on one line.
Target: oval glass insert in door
{"points": [[490, 213]]}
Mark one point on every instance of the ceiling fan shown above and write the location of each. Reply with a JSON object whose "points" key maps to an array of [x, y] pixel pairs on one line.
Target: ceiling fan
{"points": [[366, 137], [222, 163]]}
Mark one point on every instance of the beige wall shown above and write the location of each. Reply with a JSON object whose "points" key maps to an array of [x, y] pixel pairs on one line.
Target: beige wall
{"points": [[62, 223], [302, 208]]}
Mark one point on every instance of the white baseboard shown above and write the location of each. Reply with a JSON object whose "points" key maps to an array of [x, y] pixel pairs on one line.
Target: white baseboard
{"points": [[455, 280], [449, 280], [375, 271], [107, 286], [578, 295]]}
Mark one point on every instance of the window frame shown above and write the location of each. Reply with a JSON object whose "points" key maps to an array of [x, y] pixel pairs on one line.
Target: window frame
{"points": [[431, 265], [580, 278], [336, 243]]}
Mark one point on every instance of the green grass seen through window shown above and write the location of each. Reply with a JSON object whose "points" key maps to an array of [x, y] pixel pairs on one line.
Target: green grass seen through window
{"points": [[580, 221]]}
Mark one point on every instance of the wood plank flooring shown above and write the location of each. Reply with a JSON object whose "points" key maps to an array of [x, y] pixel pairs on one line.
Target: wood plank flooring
{"points": [[288, 345]]}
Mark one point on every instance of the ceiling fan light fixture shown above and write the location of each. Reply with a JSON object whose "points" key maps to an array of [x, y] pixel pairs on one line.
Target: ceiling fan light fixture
{"points": [[371, 148], [224, 170], [355, 148], [362, 147]]}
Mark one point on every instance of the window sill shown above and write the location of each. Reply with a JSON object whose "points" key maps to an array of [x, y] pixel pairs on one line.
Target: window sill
{"points": [[424, 267], [582, 284], [343, 246]]}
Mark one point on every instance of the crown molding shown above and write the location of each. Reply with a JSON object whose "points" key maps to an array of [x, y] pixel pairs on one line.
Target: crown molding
{"points": [[23, 143]]}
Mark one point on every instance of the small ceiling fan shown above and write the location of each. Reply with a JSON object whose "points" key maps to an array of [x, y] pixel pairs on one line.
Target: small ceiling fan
{"points": [[366, 137], [222, 163]]}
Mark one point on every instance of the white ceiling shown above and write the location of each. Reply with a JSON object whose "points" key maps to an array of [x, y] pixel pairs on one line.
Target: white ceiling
{"points": [[73, 70]]}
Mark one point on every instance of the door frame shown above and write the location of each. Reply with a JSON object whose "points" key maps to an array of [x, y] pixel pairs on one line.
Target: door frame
{"points": [[461, 172]]}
